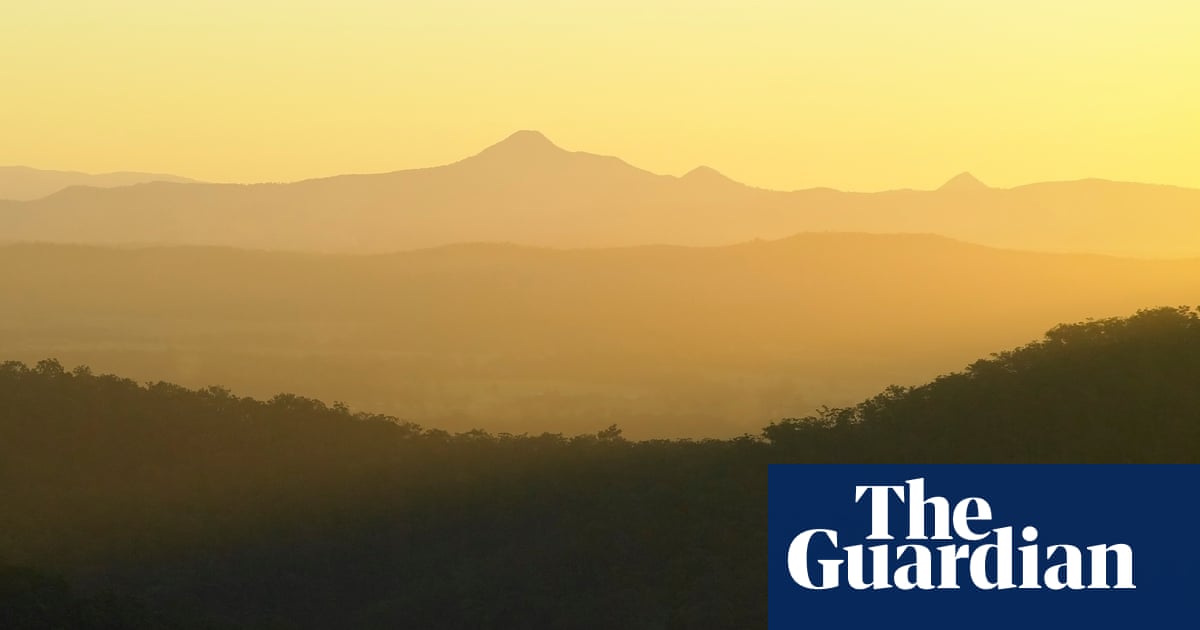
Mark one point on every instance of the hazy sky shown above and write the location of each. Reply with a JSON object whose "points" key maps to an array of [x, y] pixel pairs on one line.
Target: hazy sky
{"points": [[857, 94]]}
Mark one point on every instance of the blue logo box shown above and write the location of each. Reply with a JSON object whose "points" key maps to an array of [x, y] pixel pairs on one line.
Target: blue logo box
{"points": [[983, 546]]}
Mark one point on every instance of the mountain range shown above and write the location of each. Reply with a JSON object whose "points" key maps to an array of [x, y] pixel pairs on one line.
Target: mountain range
{"points": [[21, 183], [528, 191]]}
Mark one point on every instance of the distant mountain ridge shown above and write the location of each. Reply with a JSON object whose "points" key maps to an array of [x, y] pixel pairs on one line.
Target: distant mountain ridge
{"points": [[667, 340], [964, 181], [529, 191], [22, 183]]}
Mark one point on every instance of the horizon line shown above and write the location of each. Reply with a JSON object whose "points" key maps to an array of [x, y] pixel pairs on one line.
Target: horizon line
{"points": [[524, 134]]}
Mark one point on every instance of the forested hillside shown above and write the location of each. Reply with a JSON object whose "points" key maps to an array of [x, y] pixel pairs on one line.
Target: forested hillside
{"points": [[171, 507]]}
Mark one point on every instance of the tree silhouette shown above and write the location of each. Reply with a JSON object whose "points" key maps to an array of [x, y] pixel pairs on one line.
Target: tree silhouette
{"points": [[200, 508]]}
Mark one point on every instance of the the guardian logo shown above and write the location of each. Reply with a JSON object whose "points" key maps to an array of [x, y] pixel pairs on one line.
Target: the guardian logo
{"points": [[949, 545], [981, 546]]}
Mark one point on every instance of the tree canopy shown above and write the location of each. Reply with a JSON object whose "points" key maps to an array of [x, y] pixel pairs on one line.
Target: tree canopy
{"points": [[168, 507]]}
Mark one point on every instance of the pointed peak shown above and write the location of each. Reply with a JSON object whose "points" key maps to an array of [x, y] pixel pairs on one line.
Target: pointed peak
{"points": [[704, 171], [525, 141], [964, 181], [706, 174]]}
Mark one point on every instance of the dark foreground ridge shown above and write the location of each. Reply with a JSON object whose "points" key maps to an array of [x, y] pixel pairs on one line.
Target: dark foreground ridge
{"points": [[167, 507]]}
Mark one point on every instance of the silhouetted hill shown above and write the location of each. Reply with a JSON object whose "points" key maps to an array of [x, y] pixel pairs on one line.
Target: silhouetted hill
{"points": [[30, 600], [22, 183], [1104, 391], [963, 182], [669, 341], [220, 511], [526, 190], [706, 175]]}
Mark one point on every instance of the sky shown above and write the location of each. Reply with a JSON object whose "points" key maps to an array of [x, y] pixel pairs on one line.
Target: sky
{"points": [[785, 94]]}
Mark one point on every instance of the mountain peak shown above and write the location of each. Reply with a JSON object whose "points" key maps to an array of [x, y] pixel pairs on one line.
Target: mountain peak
{"points": [[525, 142], [706, 174], [964, 181]]}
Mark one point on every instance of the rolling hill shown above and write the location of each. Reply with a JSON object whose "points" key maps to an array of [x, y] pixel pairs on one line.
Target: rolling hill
{"points": [[21, 183], [667, 341], [200, 509]]}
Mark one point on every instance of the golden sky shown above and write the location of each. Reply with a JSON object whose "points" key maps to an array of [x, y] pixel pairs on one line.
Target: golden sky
{"points": [[855, 94]]}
